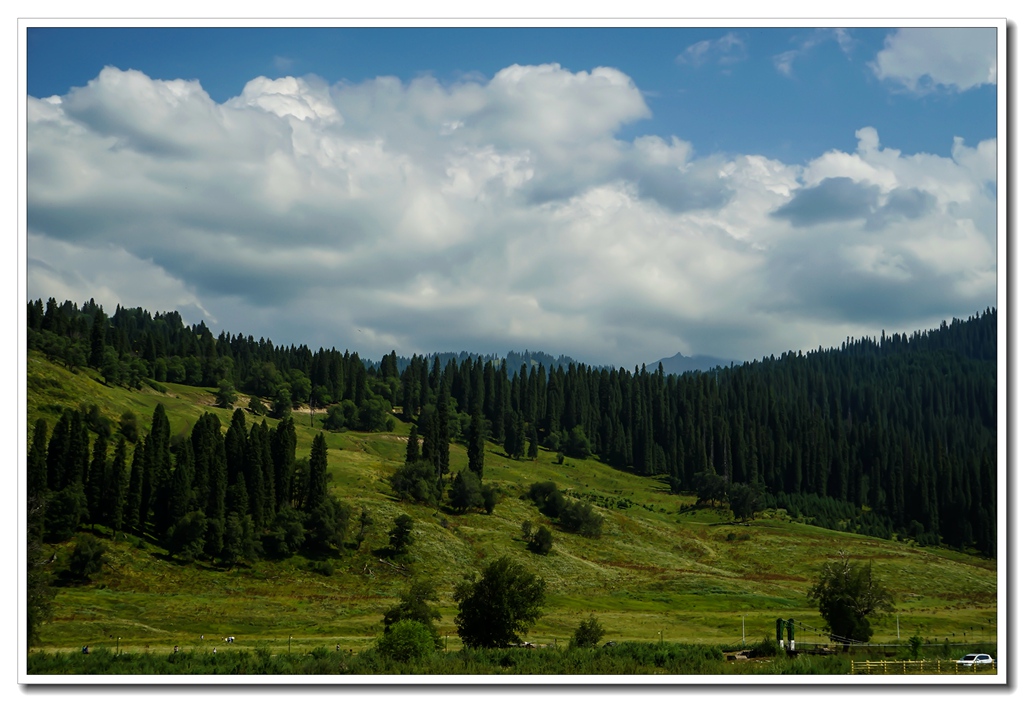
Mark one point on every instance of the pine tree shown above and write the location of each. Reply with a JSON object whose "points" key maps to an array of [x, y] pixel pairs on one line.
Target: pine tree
{"points": [[115, 487], [36, 468], [97, 481], [57, 458], [252, 473], [97, 336], [158, 470], [412, 447], [476, 445], [442, 457], [317, 474], [180, 499], [282, 450], [133, 503]]}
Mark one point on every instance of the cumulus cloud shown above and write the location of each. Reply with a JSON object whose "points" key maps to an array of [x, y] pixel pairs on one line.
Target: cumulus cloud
{"points": [[489, 214], [924, 59]]}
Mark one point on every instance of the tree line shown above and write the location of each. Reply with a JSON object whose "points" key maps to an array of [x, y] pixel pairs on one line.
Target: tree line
{"points": [[904, 426], [227, 496]]}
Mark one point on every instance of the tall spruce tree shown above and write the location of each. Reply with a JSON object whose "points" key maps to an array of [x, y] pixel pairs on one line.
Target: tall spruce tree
{"points": [[36, 468], [97, 482], [442, 457], [476, 445], [412, 447], [317, 474], [283, 452], [115, 488]]}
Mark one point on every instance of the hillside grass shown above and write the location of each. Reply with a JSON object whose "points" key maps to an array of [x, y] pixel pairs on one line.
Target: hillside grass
{"points": [[657, 572]]}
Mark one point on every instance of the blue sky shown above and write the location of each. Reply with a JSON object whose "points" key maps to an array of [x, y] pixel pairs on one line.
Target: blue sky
{"points": [[615, 194], [734, 100]]}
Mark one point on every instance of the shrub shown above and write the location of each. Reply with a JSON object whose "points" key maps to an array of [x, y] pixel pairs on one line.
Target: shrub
{"points": [[581, 518], [87, 558], [325, 568], [406, 640], [766, 648], [490, 495], [466, 492], [414, 605], [587, 634], [188, 537], [287, 534], [129, 426], [416, 482], [541, 541]]}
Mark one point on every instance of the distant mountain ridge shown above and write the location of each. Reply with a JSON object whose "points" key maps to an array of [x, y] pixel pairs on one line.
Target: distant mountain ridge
{"points": [[514, 360], [679, 364]]}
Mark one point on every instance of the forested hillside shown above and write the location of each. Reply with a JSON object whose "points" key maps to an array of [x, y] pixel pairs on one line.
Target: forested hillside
{"points": [[882, 436]]}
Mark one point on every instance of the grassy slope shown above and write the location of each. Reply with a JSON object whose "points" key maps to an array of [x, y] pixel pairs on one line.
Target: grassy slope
{"points": [[656, 569]]}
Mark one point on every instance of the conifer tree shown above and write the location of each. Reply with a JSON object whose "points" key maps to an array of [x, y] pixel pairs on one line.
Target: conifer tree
{"points": [[442, 458], [317, 474], [412, 447], [476, 445], [115, 487], [158, 471], [97, 481], [252, 472], [97, 337], [36, 468], [133, 502], [283, 452]]}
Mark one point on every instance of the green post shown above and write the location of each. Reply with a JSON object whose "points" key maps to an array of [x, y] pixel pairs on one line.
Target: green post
{"points": [[778, 631]]}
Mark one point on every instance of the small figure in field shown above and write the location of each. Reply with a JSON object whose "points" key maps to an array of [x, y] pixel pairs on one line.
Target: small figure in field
{"points": [[85, 649], [175, 649], [214, 649], [200, 637], [337, 647]]}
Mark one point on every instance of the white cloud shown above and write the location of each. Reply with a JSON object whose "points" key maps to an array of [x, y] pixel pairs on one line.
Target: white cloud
{"points": [[488, 215], [724, 51], [784, 61], [922, 60]]}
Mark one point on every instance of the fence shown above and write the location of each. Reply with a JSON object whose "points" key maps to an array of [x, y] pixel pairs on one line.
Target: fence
{"points": [[911, 667]]}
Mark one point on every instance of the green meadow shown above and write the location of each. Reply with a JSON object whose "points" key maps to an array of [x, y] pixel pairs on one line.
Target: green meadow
{"points": [[661, 571]]}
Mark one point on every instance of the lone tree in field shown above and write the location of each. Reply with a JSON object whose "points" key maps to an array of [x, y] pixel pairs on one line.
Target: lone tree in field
{"points": [[495, 609], [745, 500], [400, 536], [588, 634], [847, 595]]}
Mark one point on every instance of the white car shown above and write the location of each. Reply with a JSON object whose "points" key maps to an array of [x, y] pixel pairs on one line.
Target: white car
{"points": [[973, 659]]}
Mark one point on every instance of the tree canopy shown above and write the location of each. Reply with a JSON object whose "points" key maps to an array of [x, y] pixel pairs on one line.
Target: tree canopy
{"points": [[846, 595], [495, 609]]}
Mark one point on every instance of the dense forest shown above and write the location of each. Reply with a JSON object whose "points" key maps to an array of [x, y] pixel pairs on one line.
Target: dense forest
{"points": [[894, 435]]}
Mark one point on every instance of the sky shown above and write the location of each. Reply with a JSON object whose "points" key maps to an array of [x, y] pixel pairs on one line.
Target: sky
{"points": [[616, 195]]}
